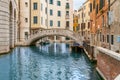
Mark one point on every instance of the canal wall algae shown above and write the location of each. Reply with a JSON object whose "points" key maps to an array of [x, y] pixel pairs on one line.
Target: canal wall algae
{"points": [[47, 62]]}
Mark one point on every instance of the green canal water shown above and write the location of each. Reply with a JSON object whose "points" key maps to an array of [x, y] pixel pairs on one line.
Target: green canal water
{"points": [[49, 62]]}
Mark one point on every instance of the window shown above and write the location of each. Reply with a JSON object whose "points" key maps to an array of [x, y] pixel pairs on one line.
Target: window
{"points": [[90, 7], [26, 20], [67, 6], [103, 20], [26, 35], [46, 10], [103, 38], [42, 20], [93, 4], [112, 39], [58, 23], [51, 23], [51, 1], [67, 13], [35, 19], [67, 23], [102, 3], [84, 25], [35, 6], [97, 9], [26, 4], [46, 22], [82, 14], [41, 7], [107, 17], [58, 3], [51, 12], [107, 38], [59, 13]]}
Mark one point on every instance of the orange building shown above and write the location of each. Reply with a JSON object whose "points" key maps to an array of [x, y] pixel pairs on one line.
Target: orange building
{"points": [[99, 21], [75, 21]]}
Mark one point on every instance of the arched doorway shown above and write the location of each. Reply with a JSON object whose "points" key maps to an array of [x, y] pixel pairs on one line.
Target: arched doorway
{"points": [[11, 25]]}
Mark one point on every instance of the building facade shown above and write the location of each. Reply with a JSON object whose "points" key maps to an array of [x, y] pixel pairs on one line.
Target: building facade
{"points": [[115, 25], [45, 14], [75, 21], [99, 22], [8, 24], [104, 26], [24, 20], [84, 20]]}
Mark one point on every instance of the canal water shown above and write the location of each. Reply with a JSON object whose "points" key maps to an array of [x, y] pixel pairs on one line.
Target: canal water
{"points": [[49, 62]]}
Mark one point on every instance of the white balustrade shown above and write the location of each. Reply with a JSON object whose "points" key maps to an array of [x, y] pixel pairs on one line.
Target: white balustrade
{"points": [[47, 32]]}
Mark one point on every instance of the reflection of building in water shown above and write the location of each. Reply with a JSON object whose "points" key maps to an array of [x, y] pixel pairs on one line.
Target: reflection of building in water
{"points": [[63, 48], [54, 48]]}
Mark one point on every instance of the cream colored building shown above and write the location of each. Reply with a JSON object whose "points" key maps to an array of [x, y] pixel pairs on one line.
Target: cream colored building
{"points": [[8, 24], [80, 19], [56, 14], [86, 7], [24, 15], [45, 14], [84, 20], [35, 14]]}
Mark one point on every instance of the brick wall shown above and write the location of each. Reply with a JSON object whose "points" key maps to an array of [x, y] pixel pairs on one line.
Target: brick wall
{"points": [[109, 66]]}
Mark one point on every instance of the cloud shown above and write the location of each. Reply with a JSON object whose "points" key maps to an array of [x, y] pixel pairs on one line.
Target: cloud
{"points": [[78, 3]]}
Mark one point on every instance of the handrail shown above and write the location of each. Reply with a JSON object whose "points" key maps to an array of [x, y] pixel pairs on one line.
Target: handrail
{"points": [[55, 31]]}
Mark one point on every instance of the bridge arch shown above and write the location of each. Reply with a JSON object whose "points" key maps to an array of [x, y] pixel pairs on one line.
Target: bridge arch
{"points": [[53, 32]]}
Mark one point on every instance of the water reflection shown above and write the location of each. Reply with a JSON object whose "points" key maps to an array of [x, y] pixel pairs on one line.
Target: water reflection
{"points": [[48, 62]]}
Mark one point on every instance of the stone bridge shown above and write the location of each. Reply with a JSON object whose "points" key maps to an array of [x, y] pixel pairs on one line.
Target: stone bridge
{"points": [[53, 32]]}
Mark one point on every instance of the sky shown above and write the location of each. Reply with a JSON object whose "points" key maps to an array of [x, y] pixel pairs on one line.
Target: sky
{"points": [[78, 3]]}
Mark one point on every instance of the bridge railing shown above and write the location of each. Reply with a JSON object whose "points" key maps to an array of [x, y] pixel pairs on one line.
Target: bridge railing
{"points": [[55, 31]]}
